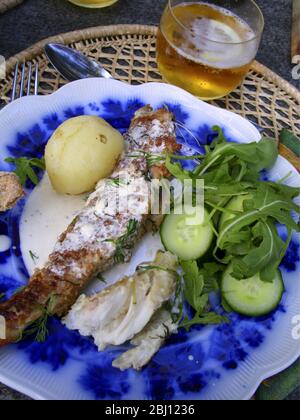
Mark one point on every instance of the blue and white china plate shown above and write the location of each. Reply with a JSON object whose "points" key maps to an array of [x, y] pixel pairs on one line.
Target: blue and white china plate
{"points": [[226, 362]]}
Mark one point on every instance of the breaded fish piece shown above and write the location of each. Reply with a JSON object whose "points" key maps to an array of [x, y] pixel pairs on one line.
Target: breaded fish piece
{"points": [[121, 311], [95, 240], [148, 342], [10, 191]]}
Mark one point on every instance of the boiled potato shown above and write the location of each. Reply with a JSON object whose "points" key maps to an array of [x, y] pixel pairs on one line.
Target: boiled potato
{"points": [[82, 151]]}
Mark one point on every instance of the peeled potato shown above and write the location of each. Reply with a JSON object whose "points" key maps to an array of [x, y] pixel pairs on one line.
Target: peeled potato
{"points": [[82, 151]]}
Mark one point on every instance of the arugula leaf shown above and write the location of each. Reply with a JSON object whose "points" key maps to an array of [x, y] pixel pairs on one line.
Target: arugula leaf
{"points": [[176, 170], [24, 168], [198, 283], [220, 138], [194, 284], [251, 240], [268, 251], [258, 156]]}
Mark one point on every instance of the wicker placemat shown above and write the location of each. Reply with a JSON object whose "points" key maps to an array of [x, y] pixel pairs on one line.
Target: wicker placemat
{"points": [[8, 4], [128, 52]]}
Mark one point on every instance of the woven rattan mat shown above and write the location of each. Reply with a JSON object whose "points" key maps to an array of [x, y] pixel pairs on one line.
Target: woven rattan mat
{"points": [[8, 4], [128, 52]]}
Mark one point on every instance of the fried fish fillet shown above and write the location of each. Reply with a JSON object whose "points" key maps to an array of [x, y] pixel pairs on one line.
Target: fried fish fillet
{"points": [[10, 191], [95, 239], [120, 312]]}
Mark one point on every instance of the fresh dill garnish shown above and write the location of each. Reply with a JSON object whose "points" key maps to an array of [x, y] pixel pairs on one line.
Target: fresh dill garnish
{"points": [[39, 328], [166, 334], [125, 242], [151, 158], [100, 278], [33, 256], [116, 182], [25, 168]]}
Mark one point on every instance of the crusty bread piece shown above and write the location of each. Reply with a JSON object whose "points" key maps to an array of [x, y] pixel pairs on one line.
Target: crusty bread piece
{"points": [[10, 190]]}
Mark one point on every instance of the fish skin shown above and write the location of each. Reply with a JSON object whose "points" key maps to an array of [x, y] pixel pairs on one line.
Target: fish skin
{"points": [[68, 271]]}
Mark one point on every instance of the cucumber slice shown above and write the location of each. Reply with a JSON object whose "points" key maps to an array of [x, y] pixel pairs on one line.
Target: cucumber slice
{"points": [[236, 204], [252, 297], [188, 235]]}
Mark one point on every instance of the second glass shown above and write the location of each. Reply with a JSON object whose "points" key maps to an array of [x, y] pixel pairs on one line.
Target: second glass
{"points": [[207, 47], [93, 4]]}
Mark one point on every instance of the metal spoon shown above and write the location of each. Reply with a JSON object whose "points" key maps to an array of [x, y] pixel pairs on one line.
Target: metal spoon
{"points": [[73, 65]]}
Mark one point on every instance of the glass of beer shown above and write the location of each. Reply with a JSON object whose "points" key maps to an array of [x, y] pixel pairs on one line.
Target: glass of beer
{"points": [[93, 4], [207, 47]]}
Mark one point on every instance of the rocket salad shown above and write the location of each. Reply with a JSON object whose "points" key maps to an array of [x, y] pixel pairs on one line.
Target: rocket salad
{"points": [[237, 248]]}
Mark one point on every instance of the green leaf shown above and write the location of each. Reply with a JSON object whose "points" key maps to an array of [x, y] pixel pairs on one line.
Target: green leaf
{"points": [[220, 138], [210, 318], [267, 204], [194, 284], [176, 170], [24, 168], [290, 141], [258, 156], [268, 250]]}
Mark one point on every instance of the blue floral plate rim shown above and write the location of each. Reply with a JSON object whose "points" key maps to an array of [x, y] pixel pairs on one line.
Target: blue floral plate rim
{"points": [[90, 93]]}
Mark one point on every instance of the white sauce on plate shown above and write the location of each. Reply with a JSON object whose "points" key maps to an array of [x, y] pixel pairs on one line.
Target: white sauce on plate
{"points": [[46, 216]]}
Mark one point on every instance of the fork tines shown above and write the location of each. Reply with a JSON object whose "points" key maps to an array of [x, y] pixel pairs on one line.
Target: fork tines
{"points": [[22, 86]]}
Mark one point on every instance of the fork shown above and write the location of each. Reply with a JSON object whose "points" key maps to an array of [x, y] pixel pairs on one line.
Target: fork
{"points": [[27, 77]]}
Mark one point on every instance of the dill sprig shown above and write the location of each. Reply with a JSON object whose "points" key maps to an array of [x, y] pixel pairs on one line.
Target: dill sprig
{"points": [[33, 256], [100, 278], [166, 333], [39, 328], [25, 168], [116, 182], [125, 242], [152, 159]]}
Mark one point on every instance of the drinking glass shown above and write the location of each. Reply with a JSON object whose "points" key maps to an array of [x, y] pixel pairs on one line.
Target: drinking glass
{"points": [[93, 4], [207, 47]]}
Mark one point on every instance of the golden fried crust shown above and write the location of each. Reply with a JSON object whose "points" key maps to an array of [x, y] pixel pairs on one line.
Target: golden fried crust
{"points": [[10, 191], [68, 271]]}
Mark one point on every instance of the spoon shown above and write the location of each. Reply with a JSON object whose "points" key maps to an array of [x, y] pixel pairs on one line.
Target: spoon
{"points": [[73, 65]]}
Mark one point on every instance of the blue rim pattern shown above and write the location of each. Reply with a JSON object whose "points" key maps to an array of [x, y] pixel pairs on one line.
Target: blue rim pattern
{"points": [[190, 362]]}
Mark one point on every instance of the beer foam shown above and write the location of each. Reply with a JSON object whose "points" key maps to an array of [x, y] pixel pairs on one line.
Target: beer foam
{"points": [[217, 44]]}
